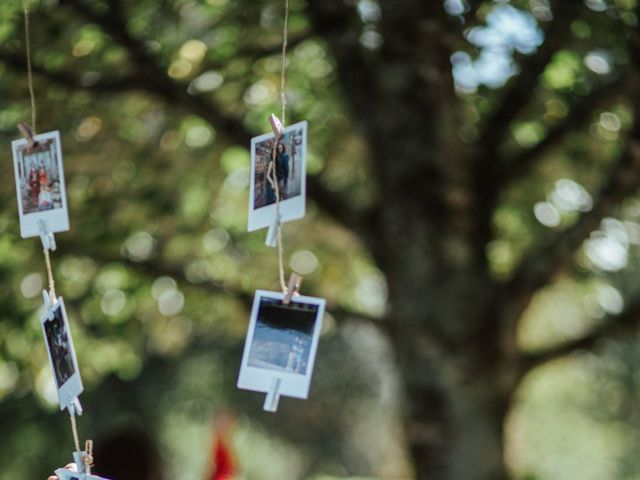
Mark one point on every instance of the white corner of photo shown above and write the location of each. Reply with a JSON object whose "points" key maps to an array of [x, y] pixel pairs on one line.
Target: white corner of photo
{"points": [[40, 186]]}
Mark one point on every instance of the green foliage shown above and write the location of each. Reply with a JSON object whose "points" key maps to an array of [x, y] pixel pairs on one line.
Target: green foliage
{"points": [[158, 267]]}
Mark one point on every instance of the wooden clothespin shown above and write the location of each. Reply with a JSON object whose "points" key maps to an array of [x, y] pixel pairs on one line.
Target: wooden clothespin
{"points": [[83, 463], [88, 456], [276, 125], [28, 134], [295, 281]]}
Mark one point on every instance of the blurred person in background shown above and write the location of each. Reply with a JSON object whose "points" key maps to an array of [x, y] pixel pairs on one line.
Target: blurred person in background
{"points": [[125, 454], [223, 464]]}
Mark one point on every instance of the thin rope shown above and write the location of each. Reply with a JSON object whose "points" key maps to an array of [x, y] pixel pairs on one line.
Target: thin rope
{"points": [[29, 71], [47, 259], [52, 283], [274, 180], [285, 43], [74, 429]]}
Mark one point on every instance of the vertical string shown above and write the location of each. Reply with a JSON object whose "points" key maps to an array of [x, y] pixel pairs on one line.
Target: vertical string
{"points": [[74, 429], [52, 284], [272, 178], [283, 111], [283, 67], [29, 71], [47, 258], [27, 36]]}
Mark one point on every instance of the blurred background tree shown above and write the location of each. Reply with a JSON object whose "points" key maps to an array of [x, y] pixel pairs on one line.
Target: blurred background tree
{"points": [[472, 222]]}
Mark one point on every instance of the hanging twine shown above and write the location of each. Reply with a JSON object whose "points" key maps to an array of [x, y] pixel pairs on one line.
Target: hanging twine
{"points": [[52, 283], [285, 42], [47, 259], [74, 429], [273, 179], [87, 454], [29, 72]]}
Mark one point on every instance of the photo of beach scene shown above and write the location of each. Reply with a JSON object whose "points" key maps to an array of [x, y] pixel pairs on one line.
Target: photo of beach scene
{"points": [[283, 336]]}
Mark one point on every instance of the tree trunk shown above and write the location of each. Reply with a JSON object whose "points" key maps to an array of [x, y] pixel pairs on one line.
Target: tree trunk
{"points": [[445, 331], [455, 402], [455, 432]]}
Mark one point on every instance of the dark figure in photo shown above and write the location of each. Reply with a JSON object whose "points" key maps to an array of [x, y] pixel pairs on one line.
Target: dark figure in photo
{"points": [[282, 169], [282, 175], [58, 342], [269, 189]]}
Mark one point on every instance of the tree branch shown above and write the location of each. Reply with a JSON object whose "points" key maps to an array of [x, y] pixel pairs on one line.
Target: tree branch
{"points": [[337, 207], [579, 115], [615, 327], [254, 53], [158, 268], [539, 267], [149, 76], [68, 79], [337, 22], [516, 95], [329, 202]]}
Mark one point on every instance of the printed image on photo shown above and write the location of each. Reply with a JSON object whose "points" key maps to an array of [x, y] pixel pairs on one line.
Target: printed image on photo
{"points": [[58, 344], [39, 177], [288, 168], [282, 336]]}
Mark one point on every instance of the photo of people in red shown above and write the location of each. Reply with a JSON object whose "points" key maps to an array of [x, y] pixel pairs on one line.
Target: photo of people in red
{"points": [[39, 178]]}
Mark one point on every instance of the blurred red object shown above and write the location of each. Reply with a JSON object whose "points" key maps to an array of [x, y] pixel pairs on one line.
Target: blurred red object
{"points": [[223, 462], [224, 467]]}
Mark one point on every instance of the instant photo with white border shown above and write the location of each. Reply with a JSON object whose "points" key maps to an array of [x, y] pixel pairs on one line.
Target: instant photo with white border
{"points": [[281, 343], [40, 186], [292, 177], [62, 355]]}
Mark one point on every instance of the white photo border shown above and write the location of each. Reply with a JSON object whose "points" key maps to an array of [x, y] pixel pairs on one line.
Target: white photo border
{"points": [[56, 220], [72, 387], [291, 208], [261, 379]]}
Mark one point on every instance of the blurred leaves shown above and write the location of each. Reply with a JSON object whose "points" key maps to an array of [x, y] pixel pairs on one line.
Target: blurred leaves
{"points": [[158, 268]]}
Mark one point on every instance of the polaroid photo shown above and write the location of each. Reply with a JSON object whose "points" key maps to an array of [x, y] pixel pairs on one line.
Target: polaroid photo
{"points": [[40, 184], [62, 355], [281, 344], [290, 169]]}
